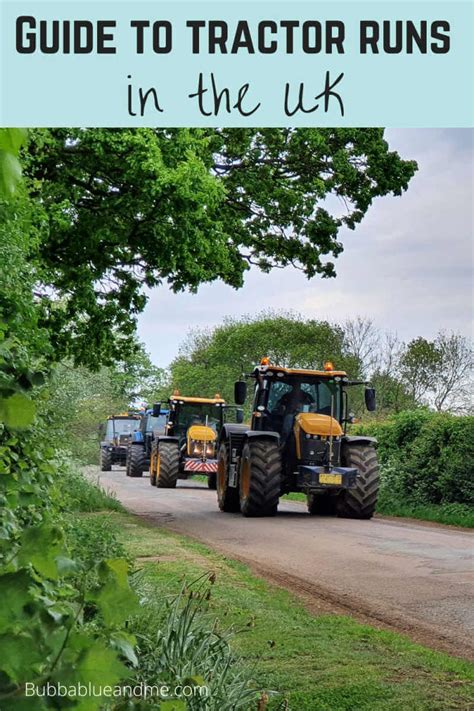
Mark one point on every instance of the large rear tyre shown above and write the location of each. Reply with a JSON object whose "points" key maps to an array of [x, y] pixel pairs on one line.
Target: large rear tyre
{"points": [[260, 478], [136, 460], [360, 502], [167, 465], [105, 460], [322, 505], [212, 481], [227, 497]]}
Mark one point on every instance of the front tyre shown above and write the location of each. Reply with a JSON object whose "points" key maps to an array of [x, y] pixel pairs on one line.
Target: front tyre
{"points": [[260, 478], [136, 460], [212, 481], [360, 502], [227, 497], [105, 460], [167, 465]]}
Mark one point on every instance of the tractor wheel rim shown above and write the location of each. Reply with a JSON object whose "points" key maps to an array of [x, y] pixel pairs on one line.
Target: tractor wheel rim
{"points": [[245, 478], [158, 463]]}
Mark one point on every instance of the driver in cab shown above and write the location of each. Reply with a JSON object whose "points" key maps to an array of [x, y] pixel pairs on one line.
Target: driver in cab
{"points": [[290, 404]]}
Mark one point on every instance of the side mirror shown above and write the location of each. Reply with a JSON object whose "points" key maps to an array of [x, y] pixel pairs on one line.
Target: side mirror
{"points": [[156, 409], [239, 416], [370, 399], [240, 392]]}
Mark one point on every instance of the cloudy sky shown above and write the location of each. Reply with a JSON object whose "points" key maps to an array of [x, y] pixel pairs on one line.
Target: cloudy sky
{"points": [[408, 265]]}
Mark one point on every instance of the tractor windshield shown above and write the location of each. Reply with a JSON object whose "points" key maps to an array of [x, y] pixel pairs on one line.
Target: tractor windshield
{"points": [[191, 413], [156, 424], [290, 395], [120, 427]]}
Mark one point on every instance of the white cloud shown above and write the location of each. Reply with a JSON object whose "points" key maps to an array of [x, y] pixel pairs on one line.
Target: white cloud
{"points": [[408, 265]]}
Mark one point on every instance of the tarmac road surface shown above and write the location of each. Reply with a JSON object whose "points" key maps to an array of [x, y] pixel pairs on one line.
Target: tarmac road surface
{"points": [[393, 573]]}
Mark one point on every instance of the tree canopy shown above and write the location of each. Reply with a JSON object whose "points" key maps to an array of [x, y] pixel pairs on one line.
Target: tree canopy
{"points": [[439, 372], [211, 361], [121, 209]]}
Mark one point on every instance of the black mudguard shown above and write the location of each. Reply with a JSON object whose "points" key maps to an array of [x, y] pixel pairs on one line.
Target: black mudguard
{"points": [[359, 439], [263, 434], [168, 439]]}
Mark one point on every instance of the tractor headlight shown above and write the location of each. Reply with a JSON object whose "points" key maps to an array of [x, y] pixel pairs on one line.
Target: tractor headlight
{"points": [[195, 447], [210, 450]]}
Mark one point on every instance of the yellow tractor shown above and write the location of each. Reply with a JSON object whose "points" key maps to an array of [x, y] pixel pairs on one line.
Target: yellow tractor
{"points": [[188, 446], [297, 442]]}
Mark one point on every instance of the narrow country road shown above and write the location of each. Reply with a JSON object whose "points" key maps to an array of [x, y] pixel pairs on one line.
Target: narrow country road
{"points": [[407, 576]]}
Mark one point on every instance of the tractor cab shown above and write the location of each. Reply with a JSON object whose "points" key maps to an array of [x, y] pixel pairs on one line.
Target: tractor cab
{"points": [[187, 413], [151, 425], [305, 408]]}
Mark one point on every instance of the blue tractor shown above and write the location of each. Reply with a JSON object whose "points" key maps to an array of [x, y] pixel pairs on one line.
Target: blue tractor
{"points": [[139, 449], [115, 435]]}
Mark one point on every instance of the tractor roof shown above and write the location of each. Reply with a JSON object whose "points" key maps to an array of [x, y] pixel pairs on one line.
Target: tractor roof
{"points": [[125, 416], [326, 373], [198, 400]]}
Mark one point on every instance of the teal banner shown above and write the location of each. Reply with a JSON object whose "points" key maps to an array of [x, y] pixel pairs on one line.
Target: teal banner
{"points": [[395, 64]]}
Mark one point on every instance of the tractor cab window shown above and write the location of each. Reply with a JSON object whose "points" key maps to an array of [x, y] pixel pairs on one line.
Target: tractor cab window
{"points": [[287, 398], [156, 424], [120, 427], [327, 391], [190, 414]]}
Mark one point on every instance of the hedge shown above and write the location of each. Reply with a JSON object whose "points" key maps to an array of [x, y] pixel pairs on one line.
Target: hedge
{"points": [[425, 457]]}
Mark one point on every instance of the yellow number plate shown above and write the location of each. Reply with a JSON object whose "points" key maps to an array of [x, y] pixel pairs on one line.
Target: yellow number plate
{"points": [[330, 478]]}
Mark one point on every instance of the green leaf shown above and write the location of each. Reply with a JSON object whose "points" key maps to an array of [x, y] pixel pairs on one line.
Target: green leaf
{"points": [[41, 546], [19, 654], [115, 599], [66, 566], [10, 173], [11, 139], [100, 665], [14, 596], [116, 570], [17, 411], [125, 643], [89, 661]]}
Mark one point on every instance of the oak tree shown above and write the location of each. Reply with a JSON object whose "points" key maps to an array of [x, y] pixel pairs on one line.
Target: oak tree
{"points": [[124, 209]]}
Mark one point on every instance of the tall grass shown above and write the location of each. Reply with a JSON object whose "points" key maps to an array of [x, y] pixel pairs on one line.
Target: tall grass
{"points": [[75, 493], [182, 644]]}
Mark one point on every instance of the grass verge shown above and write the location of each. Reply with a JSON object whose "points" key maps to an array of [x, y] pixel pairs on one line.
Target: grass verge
{"points": [[325, 663], [451, 514], [448, 514]]}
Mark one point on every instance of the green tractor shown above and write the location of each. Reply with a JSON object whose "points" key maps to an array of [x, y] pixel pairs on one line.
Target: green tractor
{"points": [[116, 434], [298, 442]]}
